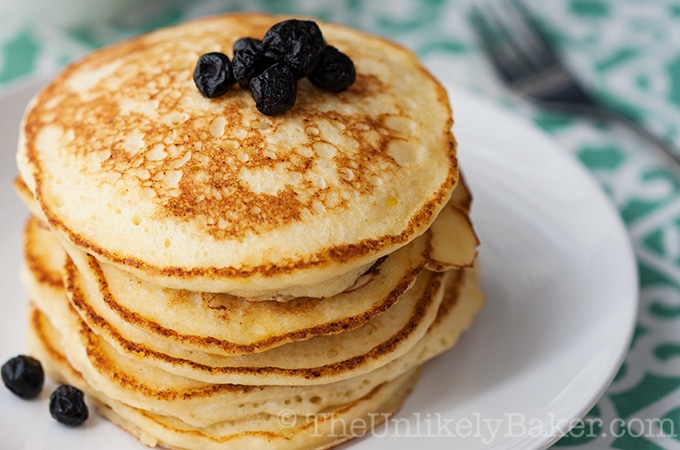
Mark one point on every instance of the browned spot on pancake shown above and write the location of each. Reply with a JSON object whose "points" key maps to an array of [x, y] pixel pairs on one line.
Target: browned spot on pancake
{"points": [[20, 186]]}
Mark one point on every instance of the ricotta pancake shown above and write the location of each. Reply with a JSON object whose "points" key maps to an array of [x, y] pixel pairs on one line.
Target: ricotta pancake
{"points": [[130, 163]]}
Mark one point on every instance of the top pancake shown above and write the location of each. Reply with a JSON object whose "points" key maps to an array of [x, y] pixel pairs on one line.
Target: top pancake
{"points": [[131, 164]]}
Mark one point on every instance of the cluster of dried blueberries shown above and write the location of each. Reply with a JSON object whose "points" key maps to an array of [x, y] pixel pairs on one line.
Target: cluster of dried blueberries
{"points": [[289, 51], [24, 376]]}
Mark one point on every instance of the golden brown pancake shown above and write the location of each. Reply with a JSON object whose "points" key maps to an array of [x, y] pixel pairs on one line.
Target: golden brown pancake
{"points": [[130, 163]]}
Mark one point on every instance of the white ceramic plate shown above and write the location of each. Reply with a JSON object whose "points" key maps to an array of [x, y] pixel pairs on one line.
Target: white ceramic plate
{"points": [[557, 268]]}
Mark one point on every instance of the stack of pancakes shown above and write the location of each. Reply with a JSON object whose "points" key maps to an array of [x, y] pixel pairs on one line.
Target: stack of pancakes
{"points": [[215, 278]]}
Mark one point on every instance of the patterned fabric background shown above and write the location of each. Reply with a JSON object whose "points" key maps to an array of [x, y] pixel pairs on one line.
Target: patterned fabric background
{"points": [[624, 50]]}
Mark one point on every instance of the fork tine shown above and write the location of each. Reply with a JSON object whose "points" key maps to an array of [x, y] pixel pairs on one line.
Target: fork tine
{"points": [[495, 41], [530, 33], [520, 53], [559, 84], [525, 60], [506, 34]]}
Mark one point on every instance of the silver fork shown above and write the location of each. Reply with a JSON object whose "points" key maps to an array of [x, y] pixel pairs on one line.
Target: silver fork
{"points": [[525, 60]]}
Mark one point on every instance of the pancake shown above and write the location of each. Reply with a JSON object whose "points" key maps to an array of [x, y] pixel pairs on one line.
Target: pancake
{"points": [[451, 243], [131, 380], [129, 163]]}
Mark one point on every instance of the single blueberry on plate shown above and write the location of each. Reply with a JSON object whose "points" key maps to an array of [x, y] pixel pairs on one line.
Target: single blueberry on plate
{"points": [[24, 376], [67, 405]]}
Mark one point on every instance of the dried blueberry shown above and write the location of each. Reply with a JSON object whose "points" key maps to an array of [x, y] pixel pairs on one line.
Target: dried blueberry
{"points": [[247, 63], [213, 74], [297, 43], [24, 376], [252, 45], [274, 90], [334, 72], [67, 405]]}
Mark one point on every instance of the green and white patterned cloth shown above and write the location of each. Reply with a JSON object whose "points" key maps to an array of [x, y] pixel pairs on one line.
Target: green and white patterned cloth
{"points": [[625, 50]]}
